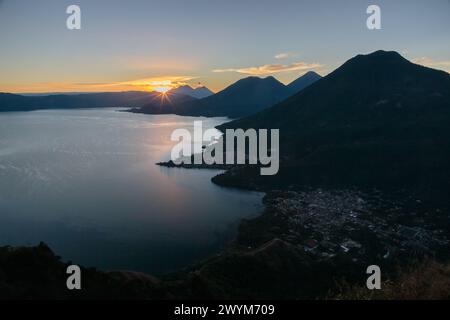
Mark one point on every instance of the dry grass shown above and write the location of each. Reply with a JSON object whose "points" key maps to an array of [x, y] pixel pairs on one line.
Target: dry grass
{"points": [[427, 281]]}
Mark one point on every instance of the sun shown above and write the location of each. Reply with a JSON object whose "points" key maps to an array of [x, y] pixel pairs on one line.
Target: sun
{"points": [[162, 89]]}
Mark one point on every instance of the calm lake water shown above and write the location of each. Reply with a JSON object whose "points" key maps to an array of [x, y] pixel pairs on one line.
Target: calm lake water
{"points": [[85, 182]]}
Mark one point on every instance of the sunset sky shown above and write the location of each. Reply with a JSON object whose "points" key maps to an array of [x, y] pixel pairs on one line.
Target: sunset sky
{"points": [[141, 45]]}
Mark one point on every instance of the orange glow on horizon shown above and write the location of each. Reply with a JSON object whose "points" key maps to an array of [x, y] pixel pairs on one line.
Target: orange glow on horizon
{"points": [[159, 84]]}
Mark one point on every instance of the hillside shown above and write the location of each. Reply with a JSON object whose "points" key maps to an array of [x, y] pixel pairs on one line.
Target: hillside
{"points": [[377, 121]]}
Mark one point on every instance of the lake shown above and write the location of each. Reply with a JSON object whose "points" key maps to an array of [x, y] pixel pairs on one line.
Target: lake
{"points": [[85, 182]]}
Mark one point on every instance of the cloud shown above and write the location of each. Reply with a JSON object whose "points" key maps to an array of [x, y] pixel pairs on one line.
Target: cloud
{"points": [[146, 84], [428, 62], [272, 68], [285, 55], [171, 81]]}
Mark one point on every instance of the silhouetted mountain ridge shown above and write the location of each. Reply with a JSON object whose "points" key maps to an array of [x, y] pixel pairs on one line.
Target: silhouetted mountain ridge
{"points": [[304, 81], [244, 97], [361, 88], [16, 102], [198, 93], [378, 120]]}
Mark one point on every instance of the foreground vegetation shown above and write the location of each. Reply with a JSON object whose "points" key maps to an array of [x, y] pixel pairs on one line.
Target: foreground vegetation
{"points": [[428, 280]]}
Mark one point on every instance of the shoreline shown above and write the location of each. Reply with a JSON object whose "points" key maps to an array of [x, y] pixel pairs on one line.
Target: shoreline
{"points": [[276, 255], [304, 243]]}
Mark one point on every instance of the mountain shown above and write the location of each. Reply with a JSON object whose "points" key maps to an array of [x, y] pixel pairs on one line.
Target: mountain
{"points": [[202, 92], [304, 81], [364, 90], [377, 121], [246, 96], [15, 102], [198, 93]]}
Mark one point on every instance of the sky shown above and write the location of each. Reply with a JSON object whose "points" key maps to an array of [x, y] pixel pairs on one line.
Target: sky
{"points": [[143, 45]]}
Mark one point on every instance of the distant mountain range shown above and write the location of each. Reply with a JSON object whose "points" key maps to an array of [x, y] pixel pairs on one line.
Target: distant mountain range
{"points": [[127, 99], [15, 102], [304, 81], [198, 93], [246, 96], [378, 120]]}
